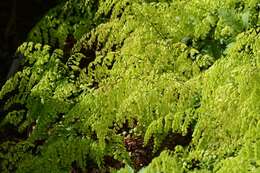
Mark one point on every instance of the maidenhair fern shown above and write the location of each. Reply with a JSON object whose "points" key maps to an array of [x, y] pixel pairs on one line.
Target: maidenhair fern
{"points": [[125, 86]]}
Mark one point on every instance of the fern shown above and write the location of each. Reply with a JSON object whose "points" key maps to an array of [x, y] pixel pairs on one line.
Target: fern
{"points": [[148, 86]]}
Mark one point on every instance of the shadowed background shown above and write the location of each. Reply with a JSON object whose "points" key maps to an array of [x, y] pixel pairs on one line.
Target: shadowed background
{"points": [[16, 19]]}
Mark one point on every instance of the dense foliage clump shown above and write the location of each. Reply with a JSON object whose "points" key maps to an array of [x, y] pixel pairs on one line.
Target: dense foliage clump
{"points": [[130, 85]]}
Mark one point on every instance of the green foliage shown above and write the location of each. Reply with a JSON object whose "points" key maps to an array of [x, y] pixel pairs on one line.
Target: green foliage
{"points": [[69, 17], [166, 86], [166, 162]]}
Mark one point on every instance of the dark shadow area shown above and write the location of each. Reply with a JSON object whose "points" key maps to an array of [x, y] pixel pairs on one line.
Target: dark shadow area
{"points": [[17, 19]]}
